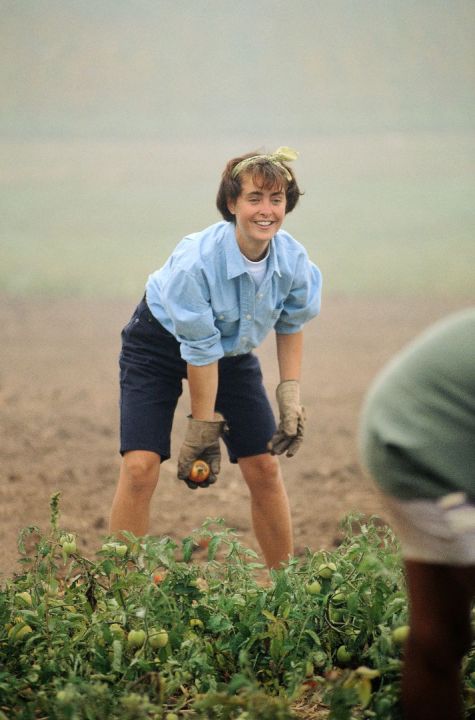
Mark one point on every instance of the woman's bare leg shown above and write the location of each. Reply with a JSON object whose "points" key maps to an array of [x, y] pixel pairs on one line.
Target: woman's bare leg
{"points": [[137, 481], [269, 507]]}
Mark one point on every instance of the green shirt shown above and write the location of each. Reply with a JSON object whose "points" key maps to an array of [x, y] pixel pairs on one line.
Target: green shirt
{"points": [[417, 432]]}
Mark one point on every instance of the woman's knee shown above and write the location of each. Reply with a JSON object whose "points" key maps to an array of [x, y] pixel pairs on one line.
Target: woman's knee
{"points": [[141, 470], [262, 472]]}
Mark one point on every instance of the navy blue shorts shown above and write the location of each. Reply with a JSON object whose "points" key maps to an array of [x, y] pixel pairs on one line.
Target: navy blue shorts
{"points": [[151, 377]]}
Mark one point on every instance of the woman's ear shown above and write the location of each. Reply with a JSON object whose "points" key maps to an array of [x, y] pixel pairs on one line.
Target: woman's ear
{"points": [[231, 204]]}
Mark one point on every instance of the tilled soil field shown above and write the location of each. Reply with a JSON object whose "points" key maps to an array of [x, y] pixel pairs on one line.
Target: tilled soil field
{"points": [[59, 421]]}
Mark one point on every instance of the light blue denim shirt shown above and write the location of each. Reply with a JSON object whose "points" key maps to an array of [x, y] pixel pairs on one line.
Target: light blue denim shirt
{"points": [[206, 298]]}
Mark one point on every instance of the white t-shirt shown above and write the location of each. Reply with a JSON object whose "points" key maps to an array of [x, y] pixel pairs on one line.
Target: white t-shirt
{"points": [[256, 268]]}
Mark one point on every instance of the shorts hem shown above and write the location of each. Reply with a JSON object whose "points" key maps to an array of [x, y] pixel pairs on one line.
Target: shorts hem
{"points": [[428, 533], [163, 455], [235, 457]]}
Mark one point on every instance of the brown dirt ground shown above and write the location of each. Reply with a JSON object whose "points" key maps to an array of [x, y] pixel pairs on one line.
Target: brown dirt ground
{"points": [[59, 420]]}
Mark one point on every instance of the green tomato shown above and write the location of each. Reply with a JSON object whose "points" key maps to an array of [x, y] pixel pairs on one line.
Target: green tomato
{"points": [[400, 634], [19, 631], [135, 638], [117, 631], [336, 616], [119, 549], [157, 638], [343, 655], [65, 696], [339, 598], [171, 716], [196, 622], [383, 704], [326, 570], [68, 543], [313, 588], [24, 598]]}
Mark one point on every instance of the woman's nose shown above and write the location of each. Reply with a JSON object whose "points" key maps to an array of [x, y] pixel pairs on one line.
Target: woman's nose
{"points": [[266, 207]]}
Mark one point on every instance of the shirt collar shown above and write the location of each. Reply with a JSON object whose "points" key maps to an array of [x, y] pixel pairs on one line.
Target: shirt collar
{"points": [[234, 261]]}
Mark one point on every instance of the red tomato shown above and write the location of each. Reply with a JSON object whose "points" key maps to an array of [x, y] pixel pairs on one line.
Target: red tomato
{"points": [[199, 471]]}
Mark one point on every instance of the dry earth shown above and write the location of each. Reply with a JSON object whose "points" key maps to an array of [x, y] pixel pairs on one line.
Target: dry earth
{"points": [[59, 419]]}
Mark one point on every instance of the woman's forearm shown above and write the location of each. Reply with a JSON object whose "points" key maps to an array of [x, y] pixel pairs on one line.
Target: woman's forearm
{"points": [[203, 384], [289, 355]]}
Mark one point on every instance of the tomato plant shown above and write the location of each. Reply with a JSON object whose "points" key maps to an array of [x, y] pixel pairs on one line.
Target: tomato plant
{"points": [[102, 638]]}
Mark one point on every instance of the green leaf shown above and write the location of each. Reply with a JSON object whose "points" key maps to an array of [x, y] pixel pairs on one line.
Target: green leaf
{"points": [[363, 688], [237, 682], [213, 546], [24, 533], [187, 545]]}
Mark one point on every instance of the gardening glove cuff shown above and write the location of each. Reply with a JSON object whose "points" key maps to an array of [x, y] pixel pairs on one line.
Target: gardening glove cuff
{"points": [[289, 434], [201, 443]]}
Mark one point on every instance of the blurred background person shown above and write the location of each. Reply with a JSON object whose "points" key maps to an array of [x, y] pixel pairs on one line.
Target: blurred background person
{"points": [[417, 439]]}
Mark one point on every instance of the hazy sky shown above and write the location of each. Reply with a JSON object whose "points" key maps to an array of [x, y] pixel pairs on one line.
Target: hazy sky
{"points": [[209, 68], [133, 107]]}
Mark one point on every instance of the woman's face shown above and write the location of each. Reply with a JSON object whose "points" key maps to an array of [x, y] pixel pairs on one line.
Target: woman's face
{"points": [[259, 213]]}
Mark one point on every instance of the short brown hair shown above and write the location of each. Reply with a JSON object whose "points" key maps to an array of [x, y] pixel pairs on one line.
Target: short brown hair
{"points": [[265, 174]]}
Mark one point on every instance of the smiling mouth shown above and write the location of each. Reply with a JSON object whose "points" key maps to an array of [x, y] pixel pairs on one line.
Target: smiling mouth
{"points": [[264, 223]]}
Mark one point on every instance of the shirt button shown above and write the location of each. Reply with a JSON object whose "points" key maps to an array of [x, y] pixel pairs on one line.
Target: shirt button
{"points": [[221, 317], [244, 339], [248, 317]]}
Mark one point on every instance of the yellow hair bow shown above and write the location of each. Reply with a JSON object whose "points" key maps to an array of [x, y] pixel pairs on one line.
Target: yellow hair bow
{"points": [[278, 157]]}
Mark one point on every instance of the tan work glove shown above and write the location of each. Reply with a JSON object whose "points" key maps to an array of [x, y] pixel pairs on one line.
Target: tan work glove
{"points": [[201, 443], [289, 435]]}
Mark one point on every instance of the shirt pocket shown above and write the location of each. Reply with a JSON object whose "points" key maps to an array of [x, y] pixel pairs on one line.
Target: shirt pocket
{"points": [[227, 321]]}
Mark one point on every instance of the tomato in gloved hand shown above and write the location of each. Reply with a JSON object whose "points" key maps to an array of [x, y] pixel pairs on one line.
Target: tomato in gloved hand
{"points": [[199, 471]]}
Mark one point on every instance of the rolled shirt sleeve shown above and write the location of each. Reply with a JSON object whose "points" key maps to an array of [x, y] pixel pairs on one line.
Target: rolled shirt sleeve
{"points": [[187, 304]]}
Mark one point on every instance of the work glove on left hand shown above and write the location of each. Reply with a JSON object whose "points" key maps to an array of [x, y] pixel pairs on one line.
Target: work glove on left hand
{"points": [[201, 443], [289, 435]]}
